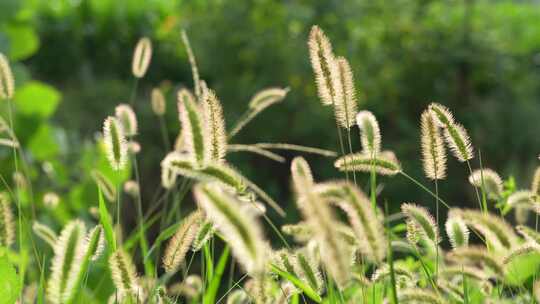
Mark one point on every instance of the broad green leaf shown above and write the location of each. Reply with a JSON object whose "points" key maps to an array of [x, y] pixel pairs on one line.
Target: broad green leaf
{"points": [[23, 41], [43, 145], [10, 285], [36, 99], [212, 290], [308, 291], [106, 221], [521, 267]]}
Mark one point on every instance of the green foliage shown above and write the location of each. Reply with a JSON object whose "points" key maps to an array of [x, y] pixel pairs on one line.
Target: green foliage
{"points": [[10, 284]]}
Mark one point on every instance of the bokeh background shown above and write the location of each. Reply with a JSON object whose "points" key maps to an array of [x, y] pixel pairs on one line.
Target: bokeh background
{"points": [[72, 61]]}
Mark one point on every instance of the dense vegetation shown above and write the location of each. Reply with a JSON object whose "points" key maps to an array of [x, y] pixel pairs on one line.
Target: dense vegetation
{"points": [[195, 200]]}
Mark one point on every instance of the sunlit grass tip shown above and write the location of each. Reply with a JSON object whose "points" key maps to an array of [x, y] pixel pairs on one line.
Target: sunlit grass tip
{"points": [[324, 66], [115, 143], [433, 151], [125, 114], [214, 124], [124, 276], [68, 252], [242, 230], [346, 109], [457, 232], [385, 163], [7, 224], [489, 181], [157, 101], [7, 81], [455, 134], [180, 243], [424, 221], [141, 57], [370, 133]]}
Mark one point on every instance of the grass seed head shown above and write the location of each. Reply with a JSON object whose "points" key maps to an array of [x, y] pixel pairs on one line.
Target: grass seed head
{"points": [[115, 143], [125, 114], [141, 57], [7, 224], [433, 152], [370, 134], [323, 64], [346, 109], [489, 180], [7, 82]]}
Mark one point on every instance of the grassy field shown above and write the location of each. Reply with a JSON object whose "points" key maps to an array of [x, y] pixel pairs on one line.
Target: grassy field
{"points": [[217, 239]]}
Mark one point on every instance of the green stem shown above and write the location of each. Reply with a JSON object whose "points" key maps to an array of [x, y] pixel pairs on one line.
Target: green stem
{"points": [[424, 188]]}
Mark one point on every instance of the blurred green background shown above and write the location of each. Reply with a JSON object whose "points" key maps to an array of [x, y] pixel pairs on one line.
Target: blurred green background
{"points": [[72, 61]]}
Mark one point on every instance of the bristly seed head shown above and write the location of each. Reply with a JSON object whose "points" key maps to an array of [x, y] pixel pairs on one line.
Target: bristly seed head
{"points": [[124, 275], [214, 124], [7, 225], [345, 110], [141, 57], [433, 152], [324, 66], [370, 134], [455, 134], [385, 163], [115, 143], [7, 82], [424, 221], [489, 181], [125, 114], [457, 232], [158, 102], [180, 243]]}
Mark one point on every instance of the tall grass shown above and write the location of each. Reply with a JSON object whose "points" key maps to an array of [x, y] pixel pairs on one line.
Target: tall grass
{"points": [[345, 249]]}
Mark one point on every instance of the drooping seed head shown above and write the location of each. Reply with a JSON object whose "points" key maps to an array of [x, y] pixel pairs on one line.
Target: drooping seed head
{"points": [[489, 181], [45, 233], [424, 220], [495, 231], [413, 232], [115, 143], [346, 109], [7, 82], [158, 102], [478, 256], [370, 134], [385, 163], [521, 198], [455, 134], [433, 152], [180, 243], [335, 253], [7, 225], [457, 232], [532, 236], [267, 97], [242, 231], [141, 57], [324, 67], [105, 185], [418, 295], [367, 227], [125, 114]]}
